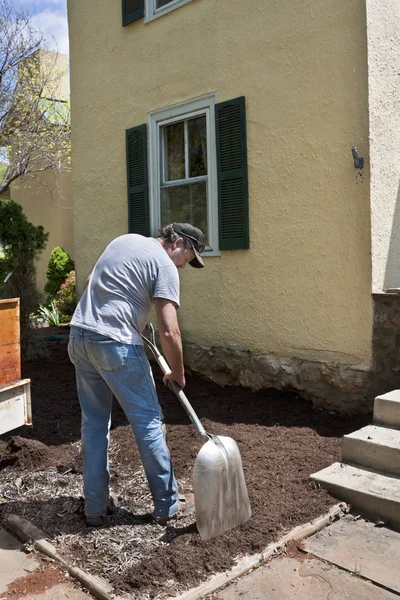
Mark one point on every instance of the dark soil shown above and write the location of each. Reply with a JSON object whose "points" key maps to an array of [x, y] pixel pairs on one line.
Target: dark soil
{"points": [[282, 440], [23, 454]]}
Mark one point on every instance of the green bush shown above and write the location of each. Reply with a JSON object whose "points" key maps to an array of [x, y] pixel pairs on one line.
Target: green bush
{"points": [[60, 264], [21, 243], [66, 296]]}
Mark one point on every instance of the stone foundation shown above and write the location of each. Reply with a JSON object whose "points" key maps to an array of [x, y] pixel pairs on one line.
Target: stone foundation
{"points": [[330, 386], [343, 388], [386, 343]]}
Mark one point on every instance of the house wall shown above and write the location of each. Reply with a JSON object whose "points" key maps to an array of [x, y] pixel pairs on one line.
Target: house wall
{"points": [[383, 20], [56, 65], [47, 201], [301, 296]]}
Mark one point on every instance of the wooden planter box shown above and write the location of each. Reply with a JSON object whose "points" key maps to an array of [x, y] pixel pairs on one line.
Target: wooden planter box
{"points": [[15, 396]]}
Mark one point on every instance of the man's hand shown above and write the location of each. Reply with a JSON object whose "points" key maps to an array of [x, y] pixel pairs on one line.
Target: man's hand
{"points": [[180, 380]]}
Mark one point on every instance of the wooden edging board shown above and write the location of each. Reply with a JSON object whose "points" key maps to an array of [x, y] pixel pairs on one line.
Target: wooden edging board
{"points": [[248, 563], [26, 531], [100, 589]]}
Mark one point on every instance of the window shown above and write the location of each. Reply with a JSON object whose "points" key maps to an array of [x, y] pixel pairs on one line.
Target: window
{"points": [[183, 196], [189, 163], [183, 167], [157, 8]]}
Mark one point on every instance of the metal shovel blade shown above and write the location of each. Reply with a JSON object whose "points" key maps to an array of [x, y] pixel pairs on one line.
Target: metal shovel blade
{"points": [[220, 491]]}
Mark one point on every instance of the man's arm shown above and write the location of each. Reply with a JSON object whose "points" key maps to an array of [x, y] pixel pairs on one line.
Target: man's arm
{"points": [[170, 338]]}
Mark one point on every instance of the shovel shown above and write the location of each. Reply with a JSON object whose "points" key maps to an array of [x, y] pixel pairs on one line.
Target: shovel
{"points": [[220, 492]]}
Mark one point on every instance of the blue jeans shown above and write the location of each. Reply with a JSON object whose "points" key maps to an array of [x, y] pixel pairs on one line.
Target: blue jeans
{"points": [[105, 367]]}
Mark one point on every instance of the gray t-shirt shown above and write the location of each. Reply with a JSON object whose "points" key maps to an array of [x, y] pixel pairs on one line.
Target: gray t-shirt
{"points": [[131, 272]]}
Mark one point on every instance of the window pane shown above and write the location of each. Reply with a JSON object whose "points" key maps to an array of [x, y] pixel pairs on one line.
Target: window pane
{"points": [[160, 3], [197, 134], [174, 151], [185, 204]]}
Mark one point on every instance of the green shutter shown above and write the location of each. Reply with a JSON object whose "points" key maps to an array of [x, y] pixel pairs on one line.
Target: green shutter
{"points": [[136, 167], [233, 194], [132, 10]]}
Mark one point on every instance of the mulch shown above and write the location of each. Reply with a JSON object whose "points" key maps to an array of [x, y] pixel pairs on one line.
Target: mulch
{"points": [[282, 440]]}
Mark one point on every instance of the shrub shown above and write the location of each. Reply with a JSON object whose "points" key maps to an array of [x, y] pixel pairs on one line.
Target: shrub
{"points": [[21, 244], [66, 296], [60, 264]]}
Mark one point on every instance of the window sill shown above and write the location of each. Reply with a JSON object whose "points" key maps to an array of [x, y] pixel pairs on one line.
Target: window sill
{"points": [[211, 253]]}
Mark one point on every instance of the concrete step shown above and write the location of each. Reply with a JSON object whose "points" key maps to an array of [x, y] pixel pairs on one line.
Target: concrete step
{"points": [[369, 492], [387, 409], [373, 447]]}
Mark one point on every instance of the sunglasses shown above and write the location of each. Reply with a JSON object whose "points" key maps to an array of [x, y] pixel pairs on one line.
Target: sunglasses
{"points": [[196, 244]]}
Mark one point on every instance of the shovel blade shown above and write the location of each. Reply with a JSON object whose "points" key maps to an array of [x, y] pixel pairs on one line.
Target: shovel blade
{"points": [[220, 490]]}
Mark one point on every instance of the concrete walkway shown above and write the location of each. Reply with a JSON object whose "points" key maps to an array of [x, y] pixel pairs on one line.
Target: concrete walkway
{"points": [[349, 560], [287, 579], [13, 563]]}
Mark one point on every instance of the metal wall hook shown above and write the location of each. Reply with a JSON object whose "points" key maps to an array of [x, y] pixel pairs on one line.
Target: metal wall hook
{"points": [[358, 160]]}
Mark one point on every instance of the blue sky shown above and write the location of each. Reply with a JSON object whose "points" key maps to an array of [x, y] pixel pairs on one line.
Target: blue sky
{"points": [[50, 16]]}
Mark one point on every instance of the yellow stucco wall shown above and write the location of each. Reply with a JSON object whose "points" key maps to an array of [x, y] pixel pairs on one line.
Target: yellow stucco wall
{"points": [[303, 289], [47, 201]]}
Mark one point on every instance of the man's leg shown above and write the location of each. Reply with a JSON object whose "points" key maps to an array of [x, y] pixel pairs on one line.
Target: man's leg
{"points": [[133, 386], [95, 398]]}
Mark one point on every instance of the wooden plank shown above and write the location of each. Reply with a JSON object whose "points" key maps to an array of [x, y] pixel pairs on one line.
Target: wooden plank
{"points": [[10, 354], [26, 531]]}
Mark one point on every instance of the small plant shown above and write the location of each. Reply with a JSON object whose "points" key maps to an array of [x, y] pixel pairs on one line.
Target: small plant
{"points": [[60, 265], [66, 297], [50, 314]]}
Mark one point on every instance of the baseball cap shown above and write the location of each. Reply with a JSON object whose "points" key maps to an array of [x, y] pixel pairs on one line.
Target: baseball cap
{"points": [[195, 237]]}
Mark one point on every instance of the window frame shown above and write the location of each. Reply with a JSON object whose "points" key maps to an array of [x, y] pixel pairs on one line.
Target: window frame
{"points": [[151, 12], [165, 116]]}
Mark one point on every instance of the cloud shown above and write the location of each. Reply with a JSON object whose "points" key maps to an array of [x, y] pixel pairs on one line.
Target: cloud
{"points": [[35, 6], [50, 17], [54, 26]]}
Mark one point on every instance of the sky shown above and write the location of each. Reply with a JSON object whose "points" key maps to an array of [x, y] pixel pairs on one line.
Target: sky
{"points": [[50, 16]]}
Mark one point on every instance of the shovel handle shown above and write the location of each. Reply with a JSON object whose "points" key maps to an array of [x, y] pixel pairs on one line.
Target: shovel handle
{"points": [[164, 366]]}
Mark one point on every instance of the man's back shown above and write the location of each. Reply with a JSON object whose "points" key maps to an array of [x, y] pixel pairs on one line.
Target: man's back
{"points": [[117, 301]]}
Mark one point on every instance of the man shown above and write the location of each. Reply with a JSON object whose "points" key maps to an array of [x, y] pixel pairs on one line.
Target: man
{"points": [[106, 348]]}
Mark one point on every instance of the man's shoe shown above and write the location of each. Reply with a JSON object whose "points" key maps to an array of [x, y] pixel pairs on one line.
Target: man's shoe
{"points": [[186, 507], [95, 520], [99, 520]]}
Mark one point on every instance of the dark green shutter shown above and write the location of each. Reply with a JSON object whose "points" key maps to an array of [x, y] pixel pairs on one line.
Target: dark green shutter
{"points": [[233, 194], [136, 166], [132, 10]]}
